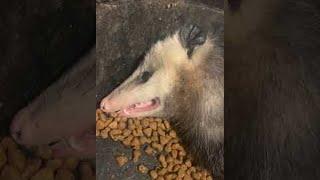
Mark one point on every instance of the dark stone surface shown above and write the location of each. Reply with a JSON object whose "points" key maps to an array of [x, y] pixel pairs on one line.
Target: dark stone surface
{"points": [[125, 31]]}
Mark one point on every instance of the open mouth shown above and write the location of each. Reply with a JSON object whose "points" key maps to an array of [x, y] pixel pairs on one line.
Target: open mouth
{"points": [[140, 107]]}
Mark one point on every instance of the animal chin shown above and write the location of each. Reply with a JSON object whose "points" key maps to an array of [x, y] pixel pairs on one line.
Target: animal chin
{"points": [[136, 109]]}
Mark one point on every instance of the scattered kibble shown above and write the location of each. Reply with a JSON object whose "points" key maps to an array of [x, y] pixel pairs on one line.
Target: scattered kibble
{"points": [[143, 169], [121, 160], [154, 137], [14, 164]]}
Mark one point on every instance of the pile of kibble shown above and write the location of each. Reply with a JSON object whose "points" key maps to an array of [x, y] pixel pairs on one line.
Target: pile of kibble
{"points": [[15, 165], [161, 141]]}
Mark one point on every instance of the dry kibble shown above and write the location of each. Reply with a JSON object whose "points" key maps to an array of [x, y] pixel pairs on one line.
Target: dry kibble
{"points": [[8, 143], [9, 172], [100, 125], [157, 146], [174, 154], [122, 125], [163, 161], [105, 133], [143, 169], [153, 174], [86, 171], [126, 132], [136, 155], [145, 123], [162, 171], [121, 160], [70, 163], [44, 152], [166, 124], [161, 132], [148, 132], [164, 140], [113, 125], [32, 167], [45, 173], [135, 143], [159, 138], [187, 177], [17, 159], [172, 134], [54, 163], [149, 150], [64, 174], [153, 126]]}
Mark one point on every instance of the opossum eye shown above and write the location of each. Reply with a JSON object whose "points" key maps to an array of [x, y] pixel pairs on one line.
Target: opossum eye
{"points": [[145, 76]]}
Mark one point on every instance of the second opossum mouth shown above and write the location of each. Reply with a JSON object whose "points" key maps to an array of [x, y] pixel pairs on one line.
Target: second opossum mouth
{"points": [[140, 107]]}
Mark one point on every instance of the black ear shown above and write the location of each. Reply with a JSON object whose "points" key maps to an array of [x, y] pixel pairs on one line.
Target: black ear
{"points": [[191, 36]]}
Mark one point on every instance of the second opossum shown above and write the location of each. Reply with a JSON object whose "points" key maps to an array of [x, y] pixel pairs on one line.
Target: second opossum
{"points": [[182, 79]]}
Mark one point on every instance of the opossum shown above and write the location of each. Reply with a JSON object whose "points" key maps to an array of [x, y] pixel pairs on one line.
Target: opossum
{"points": [[181, 78], [63, 115], [272, 82]]}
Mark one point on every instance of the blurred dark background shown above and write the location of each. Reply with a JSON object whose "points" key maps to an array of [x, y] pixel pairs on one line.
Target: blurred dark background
{"points": [[39, 40]]}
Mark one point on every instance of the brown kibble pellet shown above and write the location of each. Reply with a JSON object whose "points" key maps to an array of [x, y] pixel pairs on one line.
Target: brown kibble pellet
{"points": [[163, 161], [70, 163], [143, 169], [32, 167], [153, 126], [17, 159], [162, 171], [164, 140], [157, 146], [135, 143], [187, 177], [44, 152], [8, 143], [126, 132], [144, 140], [172, 134], [122, 125], [153, 174], [170, 176], [64, 174], [160, 178], [45, 173], [54, 163], [174, 153], [9, 172], [148, 132], [127, 141], [188, 163], [105, 133], [113, 125], [161, 132], [85, 171], [196, 175], [149, 150], [136, 155], [167, 125], [145, 123], [121, 160]]}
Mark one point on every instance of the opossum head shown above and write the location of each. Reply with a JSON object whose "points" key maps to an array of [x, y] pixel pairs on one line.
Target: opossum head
{"points": [[170, 67]]}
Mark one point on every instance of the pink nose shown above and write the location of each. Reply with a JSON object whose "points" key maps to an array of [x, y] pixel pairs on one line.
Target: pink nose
{"points": [[105, 105]]}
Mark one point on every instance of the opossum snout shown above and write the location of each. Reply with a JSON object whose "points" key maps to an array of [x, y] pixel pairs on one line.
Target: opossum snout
{"points": [[105, 105]]}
